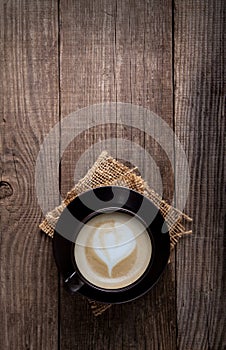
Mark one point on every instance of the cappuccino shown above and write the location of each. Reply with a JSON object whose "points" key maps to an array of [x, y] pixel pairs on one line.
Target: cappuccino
{"points": [[113, 250]]}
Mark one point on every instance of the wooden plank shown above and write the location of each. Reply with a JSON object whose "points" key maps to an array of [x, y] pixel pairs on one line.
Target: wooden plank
{"points": [[28, 108], [117, 51], [199, 120], [144, 78], [87, 78]]}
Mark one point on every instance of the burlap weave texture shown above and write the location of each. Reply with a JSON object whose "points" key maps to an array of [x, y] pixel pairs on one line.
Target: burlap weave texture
{"points": [[109, 171]]}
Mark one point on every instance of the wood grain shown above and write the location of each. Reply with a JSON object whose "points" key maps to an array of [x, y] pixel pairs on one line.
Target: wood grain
{"points": [[28, 109], [108, 54], [199, 120]]}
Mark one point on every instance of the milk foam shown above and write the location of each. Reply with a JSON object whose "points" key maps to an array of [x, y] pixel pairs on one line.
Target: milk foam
{"points": [[108, 251]]}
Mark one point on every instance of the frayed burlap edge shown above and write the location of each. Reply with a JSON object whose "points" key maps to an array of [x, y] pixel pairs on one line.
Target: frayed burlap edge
{"points": [[108, 171]]}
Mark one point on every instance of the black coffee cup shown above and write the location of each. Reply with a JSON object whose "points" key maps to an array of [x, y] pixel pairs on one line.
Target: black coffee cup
{"points": [[95, 202]]}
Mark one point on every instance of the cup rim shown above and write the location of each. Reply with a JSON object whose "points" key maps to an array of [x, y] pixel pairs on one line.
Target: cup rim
{"points": [[130, 285]]}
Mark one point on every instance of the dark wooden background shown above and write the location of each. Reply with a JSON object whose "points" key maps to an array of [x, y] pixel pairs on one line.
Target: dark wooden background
{"points": [[57, 57]]}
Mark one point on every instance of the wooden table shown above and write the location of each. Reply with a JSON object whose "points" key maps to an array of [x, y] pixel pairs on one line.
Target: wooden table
{"points": [[57, 57]]}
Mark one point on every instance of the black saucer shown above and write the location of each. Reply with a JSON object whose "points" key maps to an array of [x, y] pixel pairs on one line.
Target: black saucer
{"points": [[125, 200]]}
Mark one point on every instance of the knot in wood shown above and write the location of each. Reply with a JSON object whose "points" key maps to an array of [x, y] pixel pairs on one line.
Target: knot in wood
{"points": [[5, 189]]}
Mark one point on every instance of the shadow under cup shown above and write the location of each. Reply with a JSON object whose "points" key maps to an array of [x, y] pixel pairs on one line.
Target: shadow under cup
{"points": [[98, 271]]}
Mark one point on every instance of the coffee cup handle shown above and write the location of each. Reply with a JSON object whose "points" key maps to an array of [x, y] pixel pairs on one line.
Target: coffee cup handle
{"points": [[72, 283]]}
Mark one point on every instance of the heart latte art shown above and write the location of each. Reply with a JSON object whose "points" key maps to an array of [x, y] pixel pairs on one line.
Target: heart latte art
{"points": [[113, 242], [113, 250]]}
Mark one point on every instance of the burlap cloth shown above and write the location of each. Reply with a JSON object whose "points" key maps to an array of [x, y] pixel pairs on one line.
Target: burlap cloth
{"points": [[109, 171]]}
